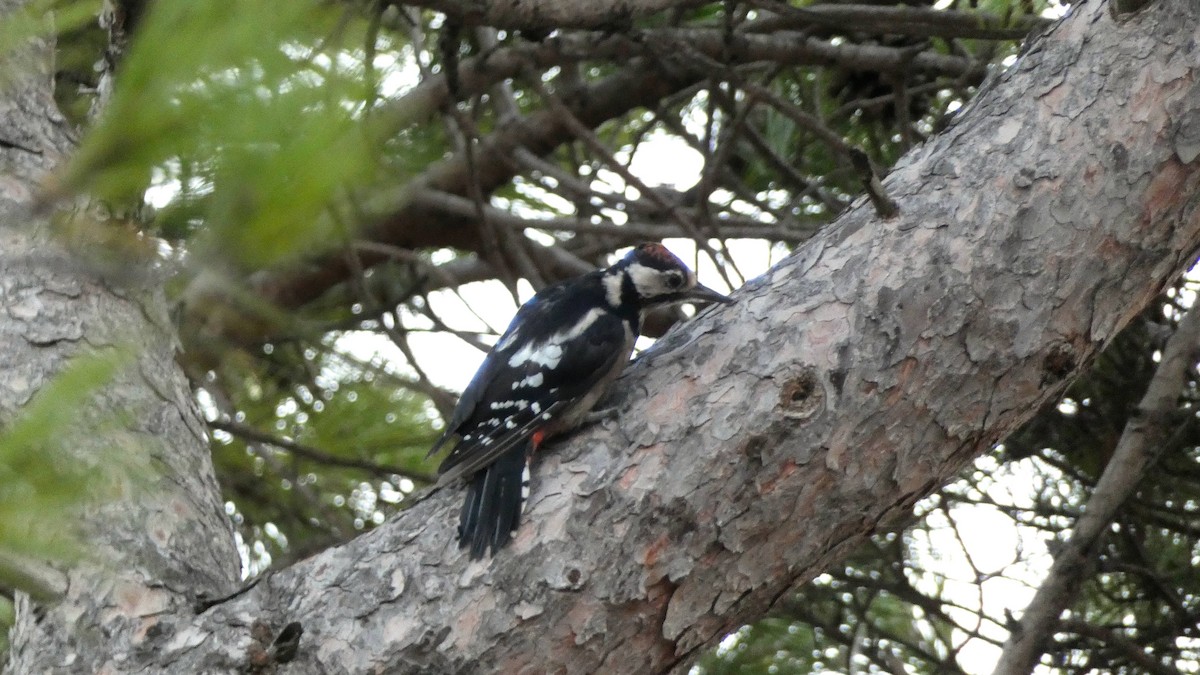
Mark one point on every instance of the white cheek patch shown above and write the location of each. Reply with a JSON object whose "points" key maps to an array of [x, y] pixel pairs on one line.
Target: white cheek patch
{"points": [[647, 280]]}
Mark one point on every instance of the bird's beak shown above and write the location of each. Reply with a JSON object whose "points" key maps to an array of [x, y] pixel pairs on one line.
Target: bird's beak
{"points": [[702, 293]]}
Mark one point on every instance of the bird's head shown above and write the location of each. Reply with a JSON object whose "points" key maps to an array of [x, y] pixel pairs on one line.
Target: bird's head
{"points": [[651, 276]]}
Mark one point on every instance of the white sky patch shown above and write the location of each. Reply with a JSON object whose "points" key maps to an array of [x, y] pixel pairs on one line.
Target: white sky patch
{"points": [[1011, 561], [664, 159]]}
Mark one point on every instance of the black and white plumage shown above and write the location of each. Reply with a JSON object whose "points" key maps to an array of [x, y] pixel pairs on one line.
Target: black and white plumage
{"points": [[557, 358]]}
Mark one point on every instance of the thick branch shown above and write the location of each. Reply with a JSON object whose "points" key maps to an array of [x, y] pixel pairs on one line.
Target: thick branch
{"points": [[407, 219], [768, 438], [916, 21], [1158, 414], [410, 222], [1130, 649], [530, 14]]}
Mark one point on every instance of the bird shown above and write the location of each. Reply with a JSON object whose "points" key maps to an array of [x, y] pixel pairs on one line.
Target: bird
{"points": [[553, 363]]}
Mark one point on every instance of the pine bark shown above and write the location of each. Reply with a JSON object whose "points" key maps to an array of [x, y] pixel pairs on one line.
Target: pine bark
{"points": [[754, 447], [160, 538]]}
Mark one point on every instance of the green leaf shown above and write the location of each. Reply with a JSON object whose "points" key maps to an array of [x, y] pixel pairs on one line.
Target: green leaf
{"points": [[41, 481], [251, 105]]}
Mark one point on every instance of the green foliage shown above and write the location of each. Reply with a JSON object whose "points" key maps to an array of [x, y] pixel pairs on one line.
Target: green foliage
{"points": [[41, 481], [370, 438], [253, 109], [860, 618], [773, 645], [264, 124], [40, 19]]}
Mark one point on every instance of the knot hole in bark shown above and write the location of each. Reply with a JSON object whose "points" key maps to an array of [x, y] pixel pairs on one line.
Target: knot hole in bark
{"points": [[1121, 8], [802, 395], [266, 654], [1058, 363]]}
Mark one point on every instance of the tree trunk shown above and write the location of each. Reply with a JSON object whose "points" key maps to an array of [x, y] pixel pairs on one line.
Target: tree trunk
{"points": [[754, 447], [164, 539]]}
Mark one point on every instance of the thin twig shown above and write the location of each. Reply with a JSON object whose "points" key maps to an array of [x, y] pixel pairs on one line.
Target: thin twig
{"points": [[308, 452], [1140, 442]]}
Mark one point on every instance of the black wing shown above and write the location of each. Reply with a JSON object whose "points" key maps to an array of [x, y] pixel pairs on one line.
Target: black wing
{"points": [[529, 317], [555, 352]]}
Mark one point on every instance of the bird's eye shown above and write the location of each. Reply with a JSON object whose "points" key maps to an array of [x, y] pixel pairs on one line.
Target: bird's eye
{"points": [[674, 280]]}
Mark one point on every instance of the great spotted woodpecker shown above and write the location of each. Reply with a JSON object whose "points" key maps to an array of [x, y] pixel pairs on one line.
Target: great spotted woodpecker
{"points": [[553, 363]]}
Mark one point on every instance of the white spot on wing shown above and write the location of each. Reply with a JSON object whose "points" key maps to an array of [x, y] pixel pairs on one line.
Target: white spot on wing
{"points": [[547, 355], [501, 405], [534, 380]]}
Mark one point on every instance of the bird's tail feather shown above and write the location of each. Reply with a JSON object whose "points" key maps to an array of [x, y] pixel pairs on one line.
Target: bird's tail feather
{"points": [[492, 509]]}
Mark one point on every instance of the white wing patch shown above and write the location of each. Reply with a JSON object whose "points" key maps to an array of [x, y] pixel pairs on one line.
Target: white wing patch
{"points": [[534, 380], [585, 322], [548, 353], [506, 342]]}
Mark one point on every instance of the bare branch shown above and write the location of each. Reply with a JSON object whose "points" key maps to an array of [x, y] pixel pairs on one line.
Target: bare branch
{"points": [[1158, 414], [319, 456], [38, 578], [912, 21], [547, 14], [1130, 649], [730, 227], [402, 221]]}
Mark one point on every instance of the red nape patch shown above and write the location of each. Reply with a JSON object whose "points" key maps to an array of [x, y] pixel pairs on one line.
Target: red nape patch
{"points": [[657, 250], [537, 438]]}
